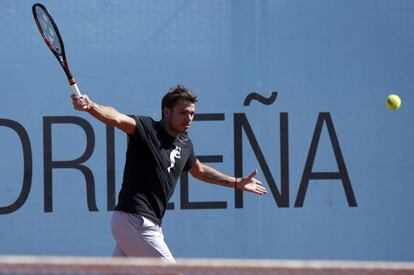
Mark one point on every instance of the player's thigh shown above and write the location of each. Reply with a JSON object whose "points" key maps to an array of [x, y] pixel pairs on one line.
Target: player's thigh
{"points": [[139, 237], [118, 252]]}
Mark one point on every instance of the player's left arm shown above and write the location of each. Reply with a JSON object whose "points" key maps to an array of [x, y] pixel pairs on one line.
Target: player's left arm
{"points": [[208, 174]]}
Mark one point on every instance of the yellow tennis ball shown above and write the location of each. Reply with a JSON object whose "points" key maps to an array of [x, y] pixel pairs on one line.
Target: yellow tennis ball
{"points": [[393, 102]]}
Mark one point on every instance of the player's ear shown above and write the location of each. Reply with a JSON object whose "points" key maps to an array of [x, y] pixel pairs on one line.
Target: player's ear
{"points": [[166, 111]]}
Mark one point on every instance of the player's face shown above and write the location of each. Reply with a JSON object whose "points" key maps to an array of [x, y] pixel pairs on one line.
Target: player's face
{"points": [[179, 118]]}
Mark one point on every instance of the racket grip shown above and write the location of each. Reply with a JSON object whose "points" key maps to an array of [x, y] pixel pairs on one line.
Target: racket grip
{"points": [[75, 89]]}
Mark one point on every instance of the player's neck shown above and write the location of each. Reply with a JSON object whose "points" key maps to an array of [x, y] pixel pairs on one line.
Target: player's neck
{"points": [[168, 129]]}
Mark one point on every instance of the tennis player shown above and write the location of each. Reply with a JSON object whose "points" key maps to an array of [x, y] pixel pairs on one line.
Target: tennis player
{"points": [[158, 152]]}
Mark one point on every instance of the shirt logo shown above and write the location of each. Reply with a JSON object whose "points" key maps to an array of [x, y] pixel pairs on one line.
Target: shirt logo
{"points": [[175, 154]]}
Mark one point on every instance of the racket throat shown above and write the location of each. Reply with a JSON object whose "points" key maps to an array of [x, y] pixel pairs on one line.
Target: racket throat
{"points": [[71, 81]]}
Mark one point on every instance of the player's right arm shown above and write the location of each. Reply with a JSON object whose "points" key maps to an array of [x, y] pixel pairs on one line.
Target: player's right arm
{"points": [[107, 114]]}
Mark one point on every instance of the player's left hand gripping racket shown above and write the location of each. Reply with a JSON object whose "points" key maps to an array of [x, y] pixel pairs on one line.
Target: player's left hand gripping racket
{"points": [[51, 35]]}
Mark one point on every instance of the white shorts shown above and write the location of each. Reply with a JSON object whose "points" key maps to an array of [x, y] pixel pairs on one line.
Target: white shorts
{"points": [[137, 236]]}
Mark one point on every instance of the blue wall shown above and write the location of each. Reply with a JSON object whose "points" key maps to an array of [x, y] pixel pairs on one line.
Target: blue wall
{"points": [[332, 64]]}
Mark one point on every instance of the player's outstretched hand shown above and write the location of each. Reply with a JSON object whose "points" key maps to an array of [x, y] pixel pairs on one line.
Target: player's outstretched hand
{"points": [[250, 184], [81, 103]]}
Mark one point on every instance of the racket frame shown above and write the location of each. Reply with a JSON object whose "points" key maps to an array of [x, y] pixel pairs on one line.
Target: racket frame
{"points": [[61, 57]]}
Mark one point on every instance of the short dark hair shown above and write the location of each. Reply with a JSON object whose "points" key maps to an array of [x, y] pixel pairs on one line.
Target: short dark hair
{"points": [[176, 93]]}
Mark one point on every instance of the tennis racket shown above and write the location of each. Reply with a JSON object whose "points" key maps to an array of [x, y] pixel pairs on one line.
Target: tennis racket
{"points": [[51, 36]]}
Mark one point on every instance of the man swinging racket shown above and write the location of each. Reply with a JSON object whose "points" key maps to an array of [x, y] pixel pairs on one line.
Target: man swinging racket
{"points": [[158, 152]]}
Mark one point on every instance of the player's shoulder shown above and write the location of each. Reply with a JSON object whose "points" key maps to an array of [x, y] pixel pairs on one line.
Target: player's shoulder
{"points": [[145, 120], [144, 124]]}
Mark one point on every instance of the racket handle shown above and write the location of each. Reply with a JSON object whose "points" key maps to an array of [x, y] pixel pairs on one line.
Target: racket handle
{"points": [[75, 89]]}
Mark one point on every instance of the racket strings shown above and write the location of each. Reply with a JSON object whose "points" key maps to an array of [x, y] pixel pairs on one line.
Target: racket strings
{"points": [[48, 30]]}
